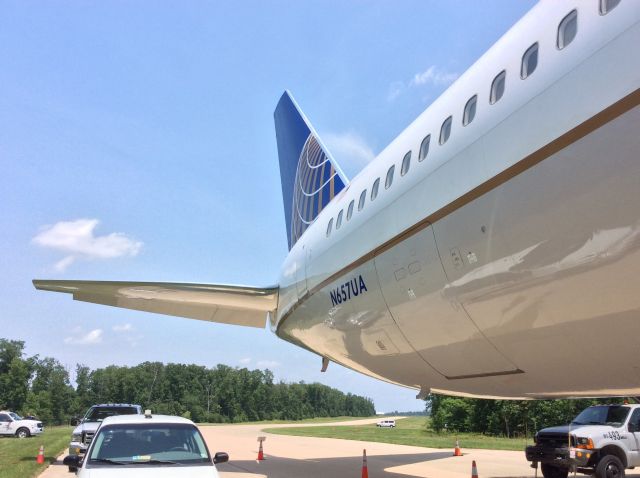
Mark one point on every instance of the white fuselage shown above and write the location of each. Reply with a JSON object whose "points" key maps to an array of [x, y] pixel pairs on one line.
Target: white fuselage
{"points": [[505, 262]]}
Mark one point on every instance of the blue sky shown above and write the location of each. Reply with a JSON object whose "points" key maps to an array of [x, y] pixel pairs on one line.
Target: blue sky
{"points": [[137, 143]]}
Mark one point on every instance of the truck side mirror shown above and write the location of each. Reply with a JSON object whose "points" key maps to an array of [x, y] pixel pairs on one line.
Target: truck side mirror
{"points": [[72, 461], [220, 457]]}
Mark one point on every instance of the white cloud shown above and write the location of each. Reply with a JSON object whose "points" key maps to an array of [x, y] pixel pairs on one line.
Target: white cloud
{"points": [[395, 89], [245, 361], [123, 328], [78, 241], [434, 76], [350, 150], [267, 364], [62, 265], [92, 337]]}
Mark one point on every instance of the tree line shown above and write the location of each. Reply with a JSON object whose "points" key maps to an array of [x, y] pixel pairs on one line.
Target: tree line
{"points": [[42, 387], [509, 418]]}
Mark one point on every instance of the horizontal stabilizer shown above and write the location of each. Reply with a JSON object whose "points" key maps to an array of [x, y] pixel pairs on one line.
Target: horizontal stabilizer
{"points": [[227, 304]]}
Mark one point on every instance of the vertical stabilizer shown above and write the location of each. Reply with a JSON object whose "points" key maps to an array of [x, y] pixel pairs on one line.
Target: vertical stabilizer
{"points": [[310, 176]]}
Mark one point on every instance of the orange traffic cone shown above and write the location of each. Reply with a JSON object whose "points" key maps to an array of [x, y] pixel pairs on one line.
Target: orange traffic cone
{"points": [[456, 450], [474, 470], [40, 457], [260, 453], [365, 470]]}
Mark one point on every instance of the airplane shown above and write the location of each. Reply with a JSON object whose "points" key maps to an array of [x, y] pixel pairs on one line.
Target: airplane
{"points": [[492, 249]]}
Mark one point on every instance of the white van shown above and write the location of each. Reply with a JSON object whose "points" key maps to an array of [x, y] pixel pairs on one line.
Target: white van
{"points": [[386, 424]]}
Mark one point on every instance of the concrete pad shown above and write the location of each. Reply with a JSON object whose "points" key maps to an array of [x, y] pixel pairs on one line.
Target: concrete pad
{"points": [[290, 456], [57, 469]]}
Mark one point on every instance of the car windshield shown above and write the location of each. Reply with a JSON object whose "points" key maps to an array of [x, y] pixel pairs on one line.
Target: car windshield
{"points": [[100, 413], [151, 444], [15, 416], [602, 415]]}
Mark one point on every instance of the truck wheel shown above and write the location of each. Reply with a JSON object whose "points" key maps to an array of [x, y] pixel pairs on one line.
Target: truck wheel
{"points": [[610, 466], [550, 471], [22, 433]]}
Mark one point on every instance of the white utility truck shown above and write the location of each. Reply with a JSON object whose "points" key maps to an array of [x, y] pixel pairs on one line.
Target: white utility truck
{"points": [[13, 424], [603, 440]]}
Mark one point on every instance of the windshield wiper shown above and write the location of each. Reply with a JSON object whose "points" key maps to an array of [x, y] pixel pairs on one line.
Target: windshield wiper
{"points": [[154, 462], [107, 460], [577, 423]]}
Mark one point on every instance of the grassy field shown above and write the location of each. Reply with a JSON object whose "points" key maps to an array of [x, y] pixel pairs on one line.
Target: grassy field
{"points": [[280, 422], [18, 457], [408, 431]]}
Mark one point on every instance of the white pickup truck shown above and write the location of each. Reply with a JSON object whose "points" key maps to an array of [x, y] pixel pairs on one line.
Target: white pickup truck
{"points": [[86, 429], [13, 424], [603, 440]]}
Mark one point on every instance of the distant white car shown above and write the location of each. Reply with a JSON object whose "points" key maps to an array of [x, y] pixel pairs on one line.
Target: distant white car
{"points": [[386, 424], [13, 424], [133, 446]]}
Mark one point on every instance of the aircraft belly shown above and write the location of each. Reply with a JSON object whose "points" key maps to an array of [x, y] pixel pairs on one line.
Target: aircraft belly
{"points": [[437, 327], [556, 257]]}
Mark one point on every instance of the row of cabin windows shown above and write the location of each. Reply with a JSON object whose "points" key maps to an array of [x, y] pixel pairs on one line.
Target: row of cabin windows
{"points": [[567, 30], [406, 164]]}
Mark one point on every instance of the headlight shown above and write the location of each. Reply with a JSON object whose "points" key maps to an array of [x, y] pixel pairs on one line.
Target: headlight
{"points": [[584, 443], [535, 438], [76, 437]]}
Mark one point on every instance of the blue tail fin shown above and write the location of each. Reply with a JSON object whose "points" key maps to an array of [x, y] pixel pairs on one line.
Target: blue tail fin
{"points": [[310, 176]]}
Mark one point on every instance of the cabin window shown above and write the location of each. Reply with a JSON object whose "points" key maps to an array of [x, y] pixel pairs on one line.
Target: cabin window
{"points": [[469, 110], [424, 147], [389, 180], [374, 189], [529, 61], [406, 164], [497, 87], [567, 29], [350, 209], [363, 198], [339, 220], [607, 5], [329, 226], [445, 130]]}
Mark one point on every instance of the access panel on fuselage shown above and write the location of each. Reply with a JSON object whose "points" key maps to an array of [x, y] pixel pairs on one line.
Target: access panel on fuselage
{"points": [[348, 322], [413, 283]]}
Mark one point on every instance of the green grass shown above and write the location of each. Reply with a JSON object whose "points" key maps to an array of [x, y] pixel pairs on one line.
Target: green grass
{"points": [[281, 422], [18, 457], [408, 431]]}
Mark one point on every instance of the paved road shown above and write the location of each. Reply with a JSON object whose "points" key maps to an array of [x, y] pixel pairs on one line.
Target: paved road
{"points": [[298, 457]]}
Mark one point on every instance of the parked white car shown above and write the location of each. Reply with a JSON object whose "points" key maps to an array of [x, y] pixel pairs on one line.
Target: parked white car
{"points": [[13, 424], [134, 446], [386, 424]]}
